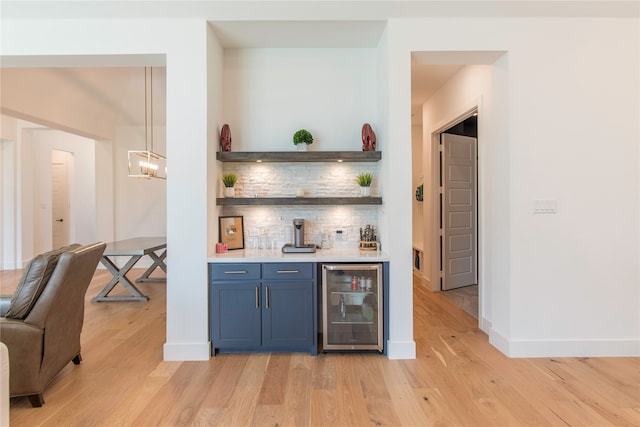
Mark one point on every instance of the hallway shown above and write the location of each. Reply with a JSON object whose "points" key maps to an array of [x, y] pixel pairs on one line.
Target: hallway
{"points": [[465, 298]]}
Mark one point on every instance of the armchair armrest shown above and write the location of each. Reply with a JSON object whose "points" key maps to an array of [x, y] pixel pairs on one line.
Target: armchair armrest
{"points": [[25, 343], [5, 302]]}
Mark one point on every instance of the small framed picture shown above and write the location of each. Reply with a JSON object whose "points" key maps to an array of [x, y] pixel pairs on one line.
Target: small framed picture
{"points": [[231, 230]]}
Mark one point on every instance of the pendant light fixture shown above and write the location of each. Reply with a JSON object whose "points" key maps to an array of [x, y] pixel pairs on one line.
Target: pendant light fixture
{"points": [[147, 163]]}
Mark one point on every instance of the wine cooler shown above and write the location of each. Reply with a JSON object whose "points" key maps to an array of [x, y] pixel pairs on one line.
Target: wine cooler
{"points": [[352, 307]]}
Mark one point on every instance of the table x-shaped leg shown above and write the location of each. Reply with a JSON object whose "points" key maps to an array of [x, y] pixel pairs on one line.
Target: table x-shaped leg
{"points": [[158, 261], [119, 275]]}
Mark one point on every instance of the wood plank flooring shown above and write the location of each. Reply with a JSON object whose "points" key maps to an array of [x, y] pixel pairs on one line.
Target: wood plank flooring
{"points": [[457, 379]]}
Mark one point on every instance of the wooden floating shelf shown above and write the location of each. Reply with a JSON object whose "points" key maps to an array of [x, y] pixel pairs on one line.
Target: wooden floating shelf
{"points": [[297, 201], [298, 156]]}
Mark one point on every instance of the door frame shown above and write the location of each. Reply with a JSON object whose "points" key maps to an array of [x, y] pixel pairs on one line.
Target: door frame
{"points": [[9, 226], [475, 108]]}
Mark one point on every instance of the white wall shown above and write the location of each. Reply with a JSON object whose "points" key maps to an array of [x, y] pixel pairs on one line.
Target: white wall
{"points": [[563, 126], [140, 204], [395, 214], [187, 215], [576, 272], [215, 86], [271, 93], [82, 194], [105, 182]]}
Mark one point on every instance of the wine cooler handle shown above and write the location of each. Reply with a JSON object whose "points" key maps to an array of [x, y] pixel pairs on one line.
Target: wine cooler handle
{"points": [[349, 267], [257, 297]]}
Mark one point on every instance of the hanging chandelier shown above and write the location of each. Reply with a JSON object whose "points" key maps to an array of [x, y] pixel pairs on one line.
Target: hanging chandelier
{"points": [[147, 164]]}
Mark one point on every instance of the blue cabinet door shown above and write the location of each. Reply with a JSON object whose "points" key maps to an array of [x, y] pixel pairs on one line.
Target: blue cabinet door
{"points": [[288, 316], [235, 315]]}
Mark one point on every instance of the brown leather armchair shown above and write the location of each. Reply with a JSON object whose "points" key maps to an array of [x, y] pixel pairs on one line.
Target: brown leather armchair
{"points": [[41, 326]]}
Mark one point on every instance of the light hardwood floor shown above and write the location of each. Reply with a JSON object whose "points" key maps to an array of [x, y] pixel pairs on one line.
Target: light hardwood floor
{"points": [[458, 379]]}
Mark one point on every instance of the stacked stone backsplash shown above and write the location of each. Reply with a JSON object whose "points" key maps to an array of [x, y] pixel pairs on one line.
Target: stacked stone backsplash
{"points": [[270, 226]]}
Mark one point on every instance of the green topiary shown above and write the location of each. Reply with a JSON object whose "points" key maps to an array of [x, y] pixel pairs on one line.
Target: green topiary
{"points": [[302, 136]]}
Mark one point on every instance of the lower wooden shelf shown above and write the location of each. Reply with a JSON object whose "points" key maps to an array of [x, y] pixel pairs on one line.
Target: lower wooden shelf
{"points": [[297, 201]]}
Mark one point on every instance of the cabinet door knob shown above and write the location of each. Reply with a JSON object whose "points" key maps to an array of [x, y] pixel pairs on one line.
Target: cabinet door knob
{"points": [[288, 271], [236, 272], [257, 297]]}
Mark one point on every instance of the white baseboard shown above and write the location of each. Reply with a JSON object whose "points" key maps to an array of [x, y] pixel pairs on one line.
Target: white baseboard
{"points": [[498, 341], [14, 265], [401, 349], [565, 348], [187, 351], [9, 266], [424, 280], [575, 348], [485, 325]]}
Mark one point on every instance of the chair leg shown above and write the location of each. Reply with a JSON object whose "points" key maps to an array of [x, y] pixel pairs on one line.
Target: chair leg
{"points": [[76, 360], [37, 400]]}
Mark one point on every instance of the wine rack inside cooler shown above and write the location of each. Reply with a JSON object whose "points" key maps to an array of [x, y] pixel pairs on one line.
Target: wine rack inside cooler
{"points": [[352, 306]]}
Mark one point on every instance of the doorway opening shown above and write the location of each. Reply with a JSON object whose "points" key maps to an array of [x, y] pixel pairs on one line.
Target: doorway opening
{"points": [[61, 220], [457, 148]]}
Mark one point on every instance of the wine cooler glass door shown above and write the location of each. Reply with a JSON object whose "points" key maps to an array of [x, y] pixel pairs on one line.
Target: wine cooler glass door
{"points": [[352, 306]]}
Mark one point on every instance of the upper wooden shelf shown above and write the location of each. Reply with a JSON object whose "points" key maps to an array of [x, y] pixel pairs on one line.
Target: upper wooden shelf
{"points": [[257, 201], [298, 156]]}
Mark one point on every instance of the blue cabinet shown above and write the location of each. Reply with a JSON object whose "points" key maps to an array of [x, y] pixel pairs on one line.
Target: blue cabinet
{"points": [[235, 315], [263, 307]]}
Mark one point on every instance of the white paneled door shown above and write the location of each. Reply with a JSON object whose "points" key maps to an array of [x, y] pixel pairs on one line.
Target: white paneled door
{"points": [[459, 211], [60, 199]]}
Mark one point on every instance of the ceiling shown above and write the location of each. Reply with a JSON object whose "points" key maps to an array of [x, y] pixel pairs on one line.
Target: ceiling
{"points": [[262, 10], [426, 79]]}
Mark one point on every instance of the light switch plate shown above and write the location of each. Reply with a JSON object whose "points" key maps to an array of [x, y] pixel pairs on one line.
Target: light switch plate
{"points": [[545, 206]]}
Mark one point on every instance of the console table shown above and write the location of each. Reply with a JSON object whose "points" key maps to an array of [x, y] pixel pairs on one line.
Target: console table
{"points": [[134, 248]]}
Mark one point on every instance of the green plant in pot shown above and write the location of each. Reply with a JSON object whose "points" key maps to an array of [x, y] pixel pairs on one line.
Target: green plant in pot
{"points": [[364, 181], [229, 180], [302, 139]]}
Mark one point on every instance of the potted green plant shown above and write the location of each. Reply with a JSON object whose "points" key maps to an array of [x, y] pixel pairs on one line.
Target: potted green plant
{"points": [[364, 181], [229, 180], [302, 139]]}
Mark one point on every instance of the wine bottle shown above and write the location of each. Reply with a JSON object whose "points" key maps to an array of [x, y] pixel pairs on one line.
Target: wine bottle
{"points": [[343, 308]]}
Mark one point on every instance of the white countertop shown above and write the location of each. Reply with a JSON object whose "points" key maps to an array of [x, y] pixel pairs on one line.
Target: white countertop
{"points": [[321, 255]]}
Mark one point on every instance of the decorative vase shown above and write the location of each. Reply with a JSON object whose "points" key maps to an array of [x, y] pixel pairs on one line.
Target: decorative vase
{"points": [[302, 146], [368, 138], [229, 191], [365, 191], [225, 138]]}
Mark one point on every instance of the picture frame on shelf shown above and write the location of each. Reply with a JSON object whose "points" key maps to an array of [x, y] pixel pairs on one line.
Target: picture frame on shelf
{"points": [[231, 231]]}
